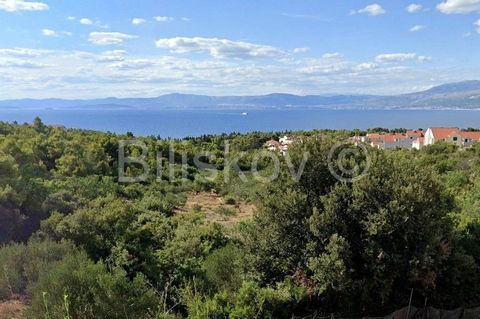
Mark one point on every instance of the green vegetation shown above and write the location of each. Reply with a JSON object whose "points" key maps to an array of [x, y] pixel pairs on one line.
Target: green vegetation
{"points": [[80, 244]]}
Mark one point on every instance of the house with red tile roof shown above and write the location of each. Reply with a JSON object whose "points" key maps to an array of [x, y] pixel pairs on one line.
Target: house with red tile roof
{"points": [[272, 145], [415, 134], [451, 135], [469, 138], [392, 140], [418, 143], [445, 134], [419, 138], [283, 143]]}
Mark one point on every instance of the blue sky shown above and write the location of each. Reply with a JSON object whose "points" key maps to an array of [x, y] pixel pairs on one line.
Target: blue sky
{"points": [[86, 49]]}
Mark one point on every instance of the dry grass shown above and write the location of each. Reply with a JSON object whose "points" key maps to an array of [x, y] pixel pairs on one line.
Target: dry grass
{"points": [[212, 203], [13, 309]]}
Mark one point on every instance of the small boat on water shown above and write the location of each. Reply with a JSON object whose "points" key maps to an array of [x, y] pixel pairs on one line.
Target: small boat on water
{"points": [[244, 113]]}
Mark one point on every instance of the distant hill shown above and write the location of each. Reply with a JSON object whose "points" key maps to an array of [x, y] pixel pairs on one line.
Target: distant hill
{"points": [[452, 96]]}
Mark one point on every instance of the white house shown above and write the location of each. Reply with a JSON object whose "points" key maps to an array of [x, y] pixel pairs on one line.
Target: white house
{"points": [[272, 145], [286, 140], [392, 140], [418, 143], [446, 134], [451, 135]]}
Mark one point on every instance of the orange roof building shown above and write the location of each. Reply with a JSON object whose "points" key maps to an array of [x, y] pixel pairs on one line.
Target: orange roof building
{"points": [[447, 134]]}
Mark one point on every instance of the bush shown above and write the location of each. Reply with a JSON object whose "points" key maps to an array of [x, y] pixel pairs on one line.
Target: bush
{"points": [[250, 301], [11, 277], [20, 264], [230, 201], [222, 268], [76, 287]]}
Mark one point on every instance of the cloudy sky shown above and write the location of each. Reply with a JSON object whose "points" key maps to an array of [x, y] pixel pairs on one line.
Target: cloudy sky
{"points": [[91, 48]]}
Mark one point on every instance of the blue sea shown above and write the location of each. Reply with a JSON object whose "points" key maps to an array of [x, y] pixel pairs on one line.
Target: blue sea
{"points": [[182, 123]]}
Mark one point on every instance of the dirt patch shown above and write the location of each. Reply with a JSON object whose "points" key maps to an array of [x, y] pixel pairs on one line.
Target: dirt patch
{"points": [[13, 309], [216, 210]]}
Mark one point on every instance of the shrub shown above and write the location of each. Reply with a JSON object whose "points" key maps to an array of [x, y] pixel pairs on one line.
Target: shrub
{"points": [[250, 301], [20, 264], [230, 201], [91, 291], [222, 268]]}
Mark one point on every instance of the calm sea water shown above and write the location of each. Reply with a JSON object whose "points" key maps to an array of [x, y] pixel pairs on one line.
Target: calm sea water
{"points": [[181, 123]]}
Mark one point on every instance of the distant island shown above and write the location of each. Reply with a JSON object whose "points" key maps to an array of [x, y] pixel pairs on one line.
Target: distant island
{"points": [[460, 95]]}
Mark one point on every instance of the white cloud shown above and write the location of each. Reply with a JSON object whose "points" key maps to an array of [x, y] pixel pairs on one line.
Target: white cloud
{"points": [[373, 10], [218, 48], [164, 18], [17, 63], [71, 18], [301, 50], [133, 64], [365, 66], [111, 56], [186, 19], [97, 23], [18, 5], [331, 55], [49, 33], [55, 34], [414, 8], [73, 74], [477, 25], [23, 52], [401, 57], [459, 6], [86, 21], [109, 38], [324, 67], [137, 21], [417, 28]]}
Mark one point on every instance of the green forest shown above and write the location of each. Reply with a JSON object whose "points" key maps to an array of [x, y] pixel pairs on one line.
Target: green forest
{"points": [[77, 243]]}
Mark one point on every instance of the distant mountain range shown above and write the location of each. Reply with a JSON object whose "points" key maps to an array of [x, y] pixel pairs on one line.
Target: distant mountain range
{"points": [[461, 95]]}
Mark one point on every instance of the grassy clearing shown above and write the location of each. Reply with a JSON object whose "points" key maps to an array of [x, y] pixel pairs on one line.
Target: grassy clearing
{"points": [[217, 209]]}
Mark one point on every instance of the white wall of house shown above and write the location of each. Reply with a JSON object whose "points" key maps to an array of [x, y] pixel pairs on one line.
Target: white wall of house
{"points": [[416, 145], [429, 138], [467, 142], [390, 145], [455, 139], [285, 140], [405, 142]]}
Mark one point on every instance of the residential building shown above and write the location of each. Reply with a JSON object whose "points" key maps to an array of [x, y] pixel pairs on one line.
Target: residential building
{"points": [[272, 145], [418, 143], [446, 134], [451, 135], [470, 138], [392, 140]]}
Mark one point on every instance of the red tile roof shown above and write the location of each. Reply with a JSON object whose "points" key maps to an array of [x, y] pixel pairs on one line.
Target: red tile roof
{"points": [[393, 137], [444, 132], [414, 133], [374, 136], [475, 136], [272, 143]]}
